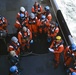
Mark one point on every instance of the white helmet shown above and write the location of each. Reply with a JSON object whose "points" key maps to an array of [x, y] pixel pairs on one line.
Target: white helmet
{"points": [[12, 53], [32, 15], [14, 39], [24, 29], [22, 9], [36, 3]]}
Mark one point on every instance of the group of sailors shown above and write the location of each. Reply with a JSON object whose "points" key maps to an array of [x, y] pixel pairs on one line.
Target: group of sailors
{"points": [[28, 27]]}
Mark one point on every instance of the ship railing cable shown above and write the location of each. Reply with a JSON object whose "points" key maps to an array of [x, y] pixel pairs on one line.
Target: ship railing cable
{"points": [[33, 54]]}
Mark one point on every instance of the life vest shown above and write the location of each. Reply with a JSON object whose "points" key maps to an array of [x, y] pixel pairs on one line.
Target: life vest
{"points": [[47, 13], [3, 33], [69, 53], [25, 36], [74, 67], [38, 8], [24, 14], [55, 45], [20, 20], [32, 21], [2, 21], [43, 25], [52, 30], [20, 26], [13, 59], [14, 46], [25, 17]]}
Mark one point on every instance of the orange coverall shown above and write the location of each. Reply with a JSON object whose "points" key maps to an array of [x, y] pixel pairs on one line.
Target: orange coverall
{"points": [[14, 47], [36, 9], [3, 24], [73, 68], [52, 32], [19, 25], [67, 58], [18, 14], [43, 25], [48, 16], [32, 25], [58, 49], [24, 39]]}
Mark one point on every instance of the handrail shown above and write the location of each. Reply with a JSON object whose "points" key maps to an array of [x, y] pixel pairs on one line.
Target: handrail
{"points": [[62, 23]]}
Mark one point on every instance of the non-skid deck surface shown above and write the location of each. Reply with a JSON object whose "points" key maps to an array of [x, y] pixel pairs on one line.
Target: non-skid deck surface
{"points": [[34, 65]]}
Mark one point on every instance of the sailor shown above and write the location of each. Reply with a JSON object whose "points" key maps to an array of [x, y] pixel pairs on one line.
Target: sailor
{"points": [[36, 8], [47, 13], [3, 23], [53, 30], [20, 22], [43, 24], [24, 37], [69, 55], [23, 11], [3, 26], [57, 48], [14, 46], [72, 69], [13, 58], [32, 24]]}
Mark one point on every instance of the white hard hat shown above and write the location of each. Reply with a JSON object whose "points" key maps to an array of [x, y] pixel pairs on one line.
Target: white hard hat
{"points": [[12, 53], [36, 3], [32, 15], [22, 9], [14, 39], [24, 29]]}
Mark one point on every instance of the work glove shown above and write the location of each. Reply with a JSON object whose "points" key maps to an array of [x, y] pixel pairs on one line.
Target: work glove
{"points": [[51, 50], [48, 39], [67, 70], [72, 54], [31, 41]]}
